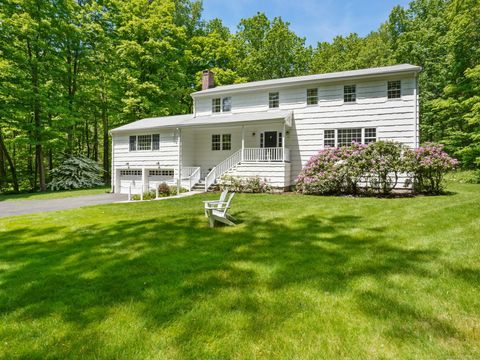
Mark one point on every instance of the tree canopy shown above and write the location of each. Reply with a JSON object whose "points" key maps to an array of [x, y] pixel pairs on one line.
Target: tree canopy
{"points": [[70, 70]]}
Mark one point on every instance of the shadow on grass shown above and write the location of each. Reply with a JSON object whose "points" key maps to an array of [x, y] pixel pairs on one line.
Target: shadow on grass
{"points": [[173, 265]]}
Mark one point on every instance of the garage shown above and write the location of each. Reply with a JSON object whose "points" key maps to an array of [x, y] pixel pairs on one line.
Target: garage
{"points": [[131, 179]]}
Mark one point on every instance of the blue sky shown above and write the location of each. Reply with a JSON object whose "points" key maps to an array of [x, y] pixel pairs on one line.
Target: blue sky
{"points": [[319, 20]]}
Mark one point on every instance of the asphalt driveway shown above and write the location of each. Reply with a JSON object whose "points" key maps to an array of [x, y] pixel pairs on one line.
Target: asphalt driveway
{"points": [[23, 207]]}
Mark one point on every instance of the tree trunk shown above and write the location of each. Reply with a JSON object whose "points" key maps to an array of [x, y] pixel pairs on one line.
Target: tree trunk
{"points": [[3, 172], [4, 150], [106, 151], [95, 137], [39, 166]]}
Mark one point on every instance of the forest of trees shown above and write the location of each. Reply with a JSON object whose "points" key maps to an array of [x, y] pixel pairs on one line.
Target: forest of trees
{"points": [[71, 70]]}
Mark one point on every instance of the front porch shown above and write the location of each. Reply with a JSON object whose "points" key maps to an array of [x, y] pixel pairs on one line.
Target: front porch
{"points": [[267, 163], [198, 156]]}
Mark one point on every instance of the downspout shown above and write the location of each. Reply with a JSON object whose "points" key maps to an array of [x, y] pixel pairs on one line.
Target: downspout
{"points": [[179, 180], [415, 112]]}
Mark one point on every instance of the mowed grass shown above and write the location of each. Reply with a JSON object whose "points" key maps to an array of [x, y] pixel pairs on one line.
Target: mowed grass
{"points": [[300, 277], [54, 194]]}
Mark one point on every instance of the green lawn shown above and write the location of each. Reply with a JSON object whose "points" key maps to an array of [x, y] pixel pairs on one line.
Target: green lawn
{"points": [[54, 194], [300, 277]]}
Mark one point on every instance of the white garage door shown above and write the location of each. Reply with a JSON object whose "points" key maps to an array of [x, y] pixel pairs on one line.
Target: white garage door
{"points": [[131, 179]]}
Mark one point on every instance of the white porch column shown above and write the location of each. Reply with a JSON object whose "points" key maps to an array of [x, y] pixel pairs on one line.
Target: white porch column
{"points": [[144, 179], [179, 169], [284, 139], [243, 141]]}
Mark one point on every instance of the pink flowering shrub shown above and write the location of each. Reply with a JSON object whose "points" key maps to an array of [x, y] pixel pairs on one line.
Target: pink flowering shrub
{"points": [[382, 163], [427, 166], [378, 166], [332, 171]]}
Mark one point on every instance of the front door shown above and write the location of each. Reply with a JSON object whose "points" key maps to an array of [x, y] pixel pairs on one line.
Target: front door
{"points": [[270, 139]]}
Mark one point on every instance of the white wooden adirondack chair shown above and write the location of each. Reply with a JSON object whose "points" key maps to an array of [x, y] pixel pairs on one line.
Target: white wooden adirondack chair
{"points": [[217, 203], [219, 212]]}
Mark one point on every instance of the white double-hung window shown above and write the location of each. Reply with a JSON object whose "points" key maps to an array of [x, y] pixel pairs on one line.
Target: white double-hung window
{"points": [[221, 142], [222, 104]]}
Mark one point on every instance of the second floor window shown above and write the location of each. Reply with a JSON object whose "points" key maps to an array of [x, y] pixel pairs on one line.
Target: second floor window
{"points": [[349, 93], [273, 100], [227, 104], [312, 96], [394, 89], [216, 105]]}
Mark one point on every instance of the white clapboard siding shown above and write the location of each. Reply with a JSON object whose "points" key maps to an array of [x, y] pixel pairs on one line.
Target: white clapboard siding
{"points": [[393, 119], [167, 156], [276, 175]]}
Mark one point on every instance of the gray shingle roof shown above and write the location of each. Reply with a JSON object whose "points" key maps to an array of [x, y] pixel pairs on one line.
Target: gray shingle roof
{"points": [[208, 120]]}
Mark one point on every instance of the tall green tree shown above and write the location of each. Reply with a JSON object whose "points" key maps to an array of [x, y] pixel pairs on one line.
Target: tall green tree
{"points": [[270, 49]]}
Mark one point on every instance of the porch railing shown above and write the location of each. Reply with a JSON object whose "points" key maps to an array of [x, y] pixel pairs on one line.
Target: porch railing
{"points": [[265, 154], [222, 168]]}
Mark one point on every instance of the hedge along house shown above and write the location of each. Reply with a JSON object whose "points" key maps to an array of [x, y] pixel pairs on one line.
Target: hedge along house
{"points": [[265, 128]]}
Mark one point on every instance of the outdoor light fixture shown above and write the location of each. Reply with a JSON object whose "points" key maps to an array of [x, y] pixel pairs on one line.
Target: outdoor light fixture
{"points": [[253, 134], [128, 165]]}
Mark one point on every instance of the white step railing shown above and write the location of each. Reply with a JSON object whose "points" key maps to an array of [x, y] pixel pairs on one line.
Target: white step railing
{"points": [[222, 168], [187, 171], [194, 178], [265, 154]]}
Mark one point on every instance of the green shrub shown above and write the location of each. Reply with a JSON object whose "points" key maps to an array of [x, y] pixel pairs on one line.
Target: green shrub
{"points": [[173, 190], [244, 185], [464, 176], [76, 172]]}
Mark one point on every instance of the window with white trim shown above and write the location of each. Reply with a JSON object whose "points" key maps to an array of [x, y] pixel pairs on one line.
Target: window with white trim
{"points": [[370, 135], [349, 93], [347, 136], [133, 143], [343, 137], [312, 96], [216, 142], [273, 100], [394, 89], [329, 138], [156, 142], [216, 105], [227, 142], [227, 104], [144, 142]]}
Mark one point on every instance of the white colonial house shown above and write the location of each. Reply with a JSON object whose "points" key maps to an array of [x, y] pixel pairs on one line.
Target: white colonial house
{"points": [[265, 128]]}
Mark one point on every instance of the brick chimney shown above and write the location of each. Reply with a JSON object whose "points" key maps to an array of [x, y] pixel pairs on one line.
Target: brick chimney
{"points": [[208, 80]]}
